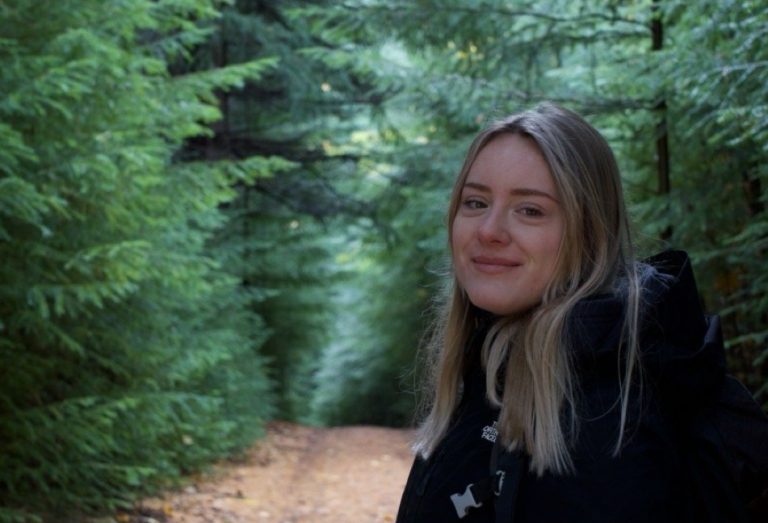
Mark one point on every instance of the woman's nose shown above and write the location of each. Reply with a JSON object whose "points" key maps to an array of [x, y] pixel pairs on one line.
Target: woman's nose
{"points": [[494, 228]]}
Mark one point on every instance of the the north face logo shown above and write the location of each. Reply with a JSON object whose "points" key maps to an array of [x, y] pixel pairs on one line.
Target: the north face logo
{"points": [[490, 432]]}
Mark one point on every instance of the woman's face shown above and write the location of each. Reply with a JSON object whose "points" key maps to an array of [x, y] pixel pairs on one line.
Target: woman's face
{"points": [[507, 230]]}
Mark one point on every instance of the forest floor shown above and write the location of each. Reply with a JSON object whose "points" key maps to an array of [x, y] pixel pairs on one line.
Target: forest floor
{"points": [[296, 474]]}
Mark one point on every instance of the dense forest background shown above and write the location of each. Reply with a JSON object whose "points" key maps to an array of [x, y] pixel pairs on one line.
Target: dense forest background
{"points": [[217, 213]]}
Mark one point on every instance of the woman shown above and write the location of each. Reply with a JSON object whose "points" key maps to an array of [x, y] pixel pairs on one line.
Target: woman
{"points": [[564, 371]]}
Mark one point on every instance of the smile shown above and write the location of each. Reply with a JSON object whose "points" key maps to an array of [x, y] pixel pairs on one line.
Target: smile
{"points": [[494, 265]]}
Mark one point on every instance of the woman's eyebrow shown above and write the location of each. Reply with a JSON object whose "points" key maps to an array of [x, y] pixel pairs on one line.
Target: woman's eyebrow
{"points": [[518, 191]]}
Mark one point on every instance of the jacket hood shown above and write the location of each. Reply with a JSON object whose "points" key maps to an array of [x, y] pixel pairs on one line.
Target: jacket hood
{"points": [[681, 348]]}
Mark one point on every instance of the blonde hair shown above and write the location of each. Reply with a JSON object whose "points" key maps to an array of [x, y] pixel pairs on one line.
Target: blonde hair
{"points": [[531, 353]]}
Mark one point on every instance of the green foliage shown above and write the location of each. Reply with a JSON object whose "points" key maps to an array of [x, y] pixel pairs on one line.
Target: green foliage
{"points": [[365, 374], [216, 212], [721, 127], [128, 350], [445, 69], [285, 232], [282, 260]]}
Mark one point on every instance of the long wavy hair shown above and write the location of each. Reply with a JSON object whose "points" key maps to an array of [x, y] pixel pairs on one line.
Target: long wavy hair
{"points": [[531, 353]]}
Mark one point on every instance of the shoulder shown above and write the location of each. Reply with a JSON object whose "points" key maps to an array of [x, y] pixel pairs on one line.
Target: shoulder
{"points": [[680, 347]]}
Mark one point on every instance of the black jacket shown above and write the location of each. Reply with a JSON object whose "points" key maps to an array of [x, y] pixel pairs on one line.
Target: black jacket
{"points": [[650, 481]]}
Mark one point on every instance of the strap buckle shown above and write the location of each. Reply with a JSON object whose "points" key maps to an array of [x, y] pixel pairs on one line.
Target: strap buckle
{"points": [[463, 502]]}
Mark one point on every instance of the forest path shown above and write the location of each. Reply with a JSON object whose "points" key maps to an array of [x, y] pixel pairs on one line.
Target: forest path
{"points": [[298, 474]]}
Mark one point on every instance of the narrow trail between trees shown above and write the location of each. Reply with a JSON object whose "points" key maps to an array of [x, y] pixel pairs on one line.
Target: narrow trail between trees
{"points": [[297, 474]]}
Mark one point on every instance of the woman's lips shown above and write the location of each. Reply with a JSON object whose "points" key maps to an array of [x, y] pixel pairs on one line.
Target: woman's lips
{"points": [[493, 264]]}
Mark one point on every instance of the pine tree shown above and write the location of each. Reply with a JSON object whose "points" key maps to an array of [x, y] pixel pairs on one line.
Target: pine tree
{"points": [[287, 230], [127, 349]]}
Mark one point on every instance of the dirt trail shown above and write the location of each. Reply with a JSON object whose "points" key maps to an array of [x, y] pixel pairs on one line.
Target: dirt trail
{"points": [[299, 475]]}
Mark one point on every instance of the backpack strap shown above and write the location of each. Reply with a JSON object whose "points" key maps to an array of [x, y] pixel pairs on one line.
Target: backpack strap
{"points": [[512, 467], [500, 487]]}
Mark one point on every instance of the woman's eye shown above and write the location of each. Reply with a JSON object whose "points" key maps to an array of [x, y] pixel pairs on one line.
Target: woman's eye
{"points": [[531, 212], [474, 204]]}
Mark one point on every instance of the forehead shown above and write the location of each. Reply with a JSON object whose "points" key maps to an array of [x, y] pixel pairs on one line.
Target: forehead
{"points": [[511, 161]]}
